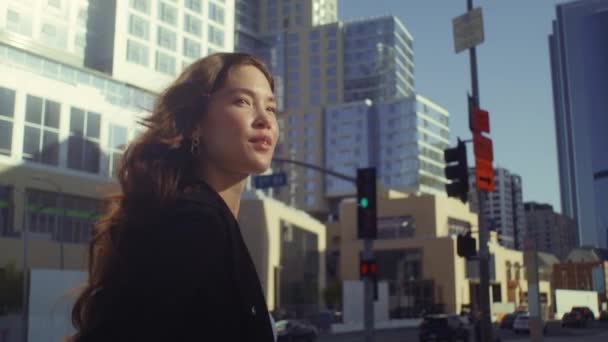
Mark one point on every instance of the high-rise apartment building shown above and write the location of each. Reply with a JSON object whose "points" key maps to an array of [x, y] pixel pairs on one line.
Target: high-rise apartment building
{"points": [[378, 60], [504, 208], [149, 42], [403, 138], [354, 78], [579, 65], [76, 76], [55, 27], [553, 233]]}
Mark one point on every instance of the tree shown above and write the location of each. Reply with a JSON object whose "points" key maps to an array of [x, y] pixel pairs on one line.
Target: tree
{"points": [[333, 294], [11, 289]]}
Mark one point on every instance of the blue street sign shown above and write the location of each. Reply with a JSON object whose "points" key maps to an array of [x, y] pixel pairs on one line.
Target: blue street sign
{"points": [[270, 181]]}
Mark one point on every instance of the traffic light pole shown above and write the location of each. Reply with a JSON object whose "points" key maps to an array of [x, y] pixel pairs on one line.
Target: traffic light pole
{"points": [[368, 294], [484, 253], [362, 179]]}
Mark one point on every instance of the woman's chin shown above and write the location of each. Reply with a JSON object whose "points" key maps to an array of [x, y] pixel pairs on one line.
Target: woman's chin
{"points": [[259, 167]]}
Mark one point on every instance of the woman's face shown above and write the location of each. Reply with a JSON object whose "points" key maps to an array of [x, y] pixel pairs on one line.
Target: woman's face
{"points": [[239, 132]]}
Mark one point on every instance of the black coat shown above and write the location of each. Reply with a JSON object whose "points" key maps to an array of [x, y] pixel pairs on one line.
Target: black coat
{"points": [[191, 279]]}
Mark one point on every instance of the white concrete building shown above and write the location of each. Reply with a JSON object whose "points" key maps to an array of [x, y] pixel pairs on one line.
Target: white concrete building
{"points": [[75, 78], [53, 27], [148, 42]]}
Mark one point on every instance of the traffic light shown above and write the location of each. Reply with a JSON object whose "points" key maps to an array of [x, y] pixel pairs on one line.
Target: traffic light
{"points": [[466, 245], [457, 171], [366, 204], [369, 269]]}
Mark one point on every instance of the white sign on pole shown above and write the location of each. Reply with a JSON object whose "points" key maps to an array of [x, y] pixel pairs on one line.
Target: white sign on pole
{"points": [[468, 30]]}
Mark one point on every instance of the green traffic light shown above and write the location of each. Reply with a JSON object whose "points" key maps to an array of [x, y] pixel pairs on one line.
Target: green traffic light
{"points": [[363, 202]]}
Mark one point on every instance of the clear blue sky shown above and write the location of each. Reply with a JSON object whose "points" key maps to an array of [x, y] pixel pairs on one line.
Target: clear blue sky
{"points": [[514, 77]]}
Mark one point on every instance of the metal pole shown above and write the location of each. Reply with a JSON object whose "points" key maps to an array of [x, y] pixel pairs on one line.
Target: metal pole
{"points": [[484, 253], [60, 220], [24, 234], [368, 304], [534, 308]]}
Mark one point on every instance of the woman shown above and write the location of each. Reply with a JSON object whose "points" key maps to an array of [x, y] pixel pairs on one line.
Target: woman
{"points": [[168, 262]]}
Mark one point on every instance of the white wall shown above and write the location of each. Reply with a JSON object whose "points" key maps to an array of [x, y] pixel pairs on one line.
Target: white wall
{"points": [[566, 299], [51, 297], [352, 299]]}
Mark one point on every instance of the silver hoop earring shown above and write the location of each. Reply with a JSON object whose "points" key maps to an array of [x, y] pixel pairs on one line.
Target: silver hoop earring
{"points": [[194, 146]]}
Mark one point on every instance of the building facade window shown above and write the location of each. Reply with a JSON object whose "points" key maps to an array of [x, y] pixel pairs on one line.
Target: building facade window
{"points": [[166, 38], [83, 16], [310, 200], [141, 5], [216, 13], [117, 143], [165, 63], [167, 13], [12, 20], [54, 3], [65, 217], [83, 143], [80, 43], [192, 49], [300, 261], [193, 25], [7, 113], [194, 5], [137, 53], [6, 209], [41, 135], [139, 27], [216, 35]]}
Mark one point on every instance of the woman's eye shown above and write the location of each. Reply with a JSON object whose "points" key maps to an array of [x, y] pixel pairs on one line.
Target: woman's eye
{"points": [[242, 102], [272, 110]]}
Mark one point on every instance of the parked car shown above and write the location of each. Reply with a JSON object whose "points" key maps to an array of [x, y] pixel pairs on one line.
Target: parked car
{"points": [[323, 320], [444, 328], [585, 311], [508, 320], [295, 330], [573, 319], [522, 324]]}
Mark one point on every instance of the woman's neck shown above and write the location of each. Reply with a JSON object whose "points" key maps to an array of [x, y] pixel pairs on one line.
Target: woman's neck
{"points": [[228, 186]]}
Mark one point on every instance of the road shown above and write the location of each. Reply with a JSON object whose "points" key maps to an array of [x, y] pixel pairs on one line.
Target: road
{"points": [[597, 333]]}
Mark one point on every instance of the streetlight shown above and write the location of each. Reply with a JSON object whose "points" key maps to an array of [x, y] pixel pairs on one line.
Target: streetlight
{"points": [[60, 191]]}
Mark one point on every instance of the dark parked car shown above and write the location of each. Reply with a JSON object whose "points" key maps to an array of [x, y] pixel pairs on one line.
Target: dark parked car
{"points": [[444, 328], [296, 330], [508, 319], [573, 319], [585, 311], [604, 316], [323, 320]]}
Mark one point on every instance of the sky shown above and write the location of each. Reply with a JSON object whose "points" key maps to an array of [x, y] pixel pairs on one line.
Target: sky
{"points": [[514, 77]]}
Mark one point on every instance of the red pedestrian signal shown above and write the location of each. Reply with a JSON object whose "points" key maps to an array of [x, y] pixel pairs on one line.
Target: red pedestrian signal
{"points": [[364, 269], [369, 270]]}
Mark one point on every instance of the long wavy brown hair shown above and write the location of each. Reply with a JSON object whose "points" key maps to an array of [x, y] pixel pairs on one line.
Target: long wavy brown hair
{"points": [[154, 169]]}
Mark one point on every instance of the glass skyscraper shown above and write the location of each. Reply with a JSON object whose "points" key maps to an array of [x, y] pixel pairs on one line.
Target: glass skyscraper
{"points": [[378, 60], [579, 64]]}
